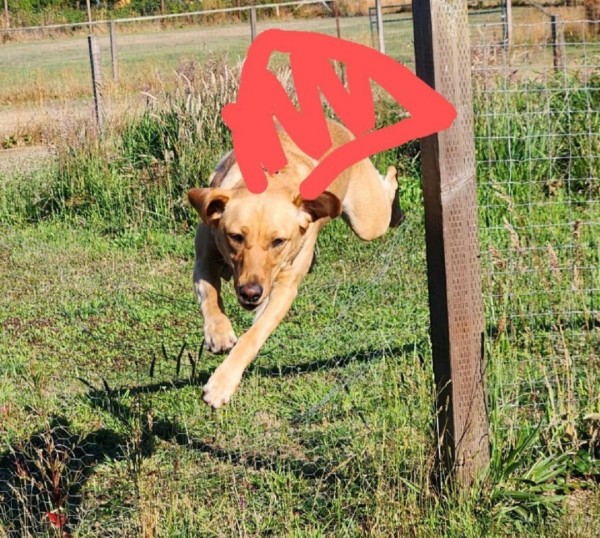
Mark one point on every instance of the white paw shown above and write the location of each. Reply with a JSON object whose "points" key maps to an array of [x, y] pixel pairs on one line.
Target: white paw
{"points": [[218, 335], [220, 387]]}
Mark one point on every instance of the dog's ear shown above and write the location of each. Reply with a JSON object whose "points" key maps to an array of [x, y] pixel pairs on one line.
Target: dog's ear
{"points": [[326, 205], [210, 203]]}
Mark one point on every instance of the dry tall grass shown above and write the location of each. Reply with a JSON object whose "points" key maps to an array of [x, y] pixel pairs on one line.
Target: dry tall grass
{"points": [[361, 7], [592, 11], [532, 26]]}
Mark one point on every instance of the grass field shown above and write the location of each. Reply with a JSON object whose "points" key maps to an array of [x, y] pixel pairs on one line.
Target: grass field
{"points": [[103, 431]]}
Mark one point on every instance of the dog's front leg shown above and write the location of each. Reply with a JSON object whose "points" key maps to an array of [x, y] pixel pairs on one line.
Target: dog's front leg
{"points": [[226, 378], [218, 332]]}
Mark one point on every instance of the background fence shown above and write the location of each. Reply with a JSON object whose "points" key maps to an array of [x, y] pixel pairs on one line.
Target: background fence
{"points": [[54, 74], [335, 417], [537, 150]]}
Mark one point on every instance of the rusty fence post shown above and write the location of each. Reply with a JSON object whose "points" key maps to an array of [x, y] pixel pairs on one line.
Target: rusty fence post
{"points": [[442, 54]]}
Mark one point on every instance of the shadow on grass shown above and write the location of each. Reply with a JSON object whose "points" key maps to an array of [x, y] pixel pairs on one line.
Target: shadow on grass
{"points": [[201, 377], [41, 478], [339, 361], [171, 431]]}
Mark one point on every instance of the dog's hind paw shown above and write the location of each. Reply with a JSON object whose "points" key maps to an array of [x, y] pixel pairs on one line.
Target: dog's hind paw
{"points": [[219, 336], [220, 387]]}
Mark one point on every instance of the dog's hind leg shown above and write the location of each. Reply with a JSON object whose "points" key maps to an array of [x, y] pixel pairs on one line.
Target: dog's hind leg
{"points": [[208, 265], [368, 204]]}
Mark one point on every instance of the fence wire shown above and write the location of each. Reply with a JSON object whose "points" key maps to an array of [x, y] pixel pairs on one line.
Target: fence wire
{"points": [[536, 134]]}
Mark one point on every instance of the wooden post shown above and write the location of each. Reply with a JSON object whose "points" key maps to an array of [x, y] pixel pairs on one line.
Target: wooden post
{"points": [[89, 14], [558, 42], [379, 17], [371, 23], [96, 78], [507, 25], [336, 13], [338, 31], [113, 51], [252, 23], [6, 14], [442, 54]]}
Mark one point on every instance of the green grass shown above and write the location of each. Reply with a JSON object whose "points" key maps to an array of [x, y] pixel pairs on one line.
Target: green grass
{"points": [[331, 432], [290, 412]]}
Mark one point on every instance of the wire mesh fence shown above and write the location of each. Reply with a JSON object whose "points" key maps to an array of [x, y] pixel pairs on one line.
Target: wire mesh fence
{"points": [[336, 413], [536, 128], [536, 136]]}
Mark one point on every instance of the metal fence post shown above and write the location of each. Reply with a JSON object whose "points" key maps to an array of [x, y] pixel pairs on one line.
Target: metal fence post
{"points": [[113, 51], [252, 24], [379, 17], [558, 41], [96, 78], [442, 54]]}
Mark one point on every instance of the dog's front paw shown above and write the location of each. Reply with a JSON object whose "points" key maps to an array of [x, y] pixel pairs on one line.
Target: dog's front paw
{"points": [[218, 335], [221, 386]]}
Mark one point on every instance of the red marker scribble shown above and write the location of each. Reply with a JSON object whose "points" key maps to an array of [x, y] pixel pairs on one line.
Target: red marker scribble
{"points": [[261, 98]]}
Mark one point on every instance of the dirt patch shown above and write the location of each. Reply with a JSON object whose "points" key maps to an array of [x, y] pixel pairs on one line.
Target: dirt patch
{"points": [[23, 158], [20, 325], [32, 121], [27, 133]]}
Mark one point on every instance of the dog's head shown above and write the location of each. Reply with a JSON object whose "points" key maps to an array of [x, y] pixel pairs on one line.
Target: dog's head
{"points": [[258, 235]]}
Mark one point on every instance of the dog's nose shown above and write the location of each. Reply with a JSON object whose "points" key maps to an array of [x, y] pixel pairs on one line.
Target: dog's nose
{"points": [[250, 293]]}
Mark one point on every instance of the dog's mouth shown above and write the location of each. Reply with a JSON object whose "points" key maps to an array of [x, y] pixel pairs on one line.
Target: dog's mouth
{"points": [[250, 306]]}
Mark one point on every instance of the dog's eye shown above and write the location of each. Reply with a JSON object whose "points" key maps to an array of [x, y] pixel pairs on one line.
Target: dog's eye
{"points": [[277, 242], [237, 238]]}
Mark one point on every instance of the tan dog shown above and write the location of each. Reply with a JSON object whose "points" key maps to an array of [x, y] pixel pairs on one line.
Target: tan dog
{"points": [[266, 242]]}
